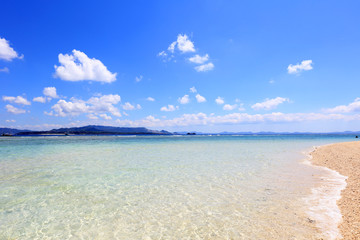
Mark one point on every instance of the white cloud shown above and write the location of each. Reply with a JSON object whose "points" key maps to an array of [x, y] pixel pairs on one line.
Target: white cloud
{"points": [[95, 105], [150, 99], [271, 81], [184, 100], [184, 44], [351, 107], [219, 100], [303, 66], [162, 54], [92, 116], [171, 47], [64, 108], [14, 110], [199, 59], [10, 121], [138, 79], [128, 106], [228, 107], [105, 116], [169, 108], [234, 118], [138, 106], [51, 113], [39, 99], [7, 53], [269, 104], [19, 100], [105, 103], [5, 69], [200, 98], [205, 67], [193, 90], [79, 67], [50, 92]]}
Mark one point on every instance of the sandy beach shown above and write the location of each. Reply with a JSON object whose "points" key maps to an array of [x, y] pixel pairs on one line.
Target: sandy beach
{"points": [[345, 159]]}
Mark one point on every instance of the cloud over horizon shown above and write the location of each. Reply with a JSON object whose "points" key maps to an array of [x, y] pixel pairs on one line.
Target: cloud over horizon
{"points": [[350, 108], [269, 104], [18, 100], [79, 67], [94, 105]]}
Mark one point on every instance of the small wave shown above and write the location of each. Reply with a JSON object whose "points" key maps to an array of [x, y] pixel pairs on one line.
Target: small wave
{"points": [[322, 201]]}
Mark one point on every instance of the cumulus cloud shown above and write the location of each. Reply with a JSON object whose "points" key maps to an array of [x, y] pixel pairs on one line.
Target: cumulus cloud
{"points": [[79, 67], [184, 100], [199, 59], [169, 108], [233, 118], [105, 103], [269, 104], [95, 105], [205, 67], [219, 100], [184, 44], [7, 53], [19, 100], [171, 47], [14, 110], [39, 99], [193, 90], [228, 107], [128, 106], [351, 107], [139, 78], [200, 98], [105, 116], [92, 116], [150, 99], [10, 121], [303, 66], [50, 92], [70, 108]]}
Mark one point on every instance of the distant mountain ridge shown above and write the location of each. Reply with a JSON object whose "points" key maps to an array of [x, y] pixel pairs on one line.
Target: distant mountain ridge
{"points": [[87, 130], [11, 131], [109, 130]]}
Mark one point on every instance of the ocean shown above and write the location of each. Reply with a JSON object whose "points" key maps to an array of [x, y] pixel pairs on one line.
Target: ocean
{"points": [[167, 187]]}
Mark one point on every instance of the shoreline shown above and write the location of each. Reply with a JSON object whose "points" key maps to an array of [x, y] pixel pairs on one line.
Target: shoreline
{"points": [[344, 159]]}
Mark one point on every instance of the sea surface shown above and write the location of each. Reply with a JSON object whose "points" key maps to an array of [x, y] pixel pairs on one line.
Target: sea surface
{"points": [[166, 187]]}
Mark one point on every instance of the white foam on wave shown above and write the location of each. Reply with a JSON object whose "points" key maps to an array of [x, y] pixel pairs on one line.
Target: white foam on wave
{"points": [[322, 201]]}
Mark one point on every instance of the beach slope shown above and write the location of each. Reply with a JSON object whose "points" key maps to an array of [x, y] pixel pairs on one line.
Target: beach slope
{"points": [[345, 159]]}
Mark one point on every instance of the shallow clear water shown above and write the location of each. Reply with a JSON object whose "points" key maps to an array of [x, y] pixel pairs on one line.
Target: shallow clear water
{"points": [[158, 187]]}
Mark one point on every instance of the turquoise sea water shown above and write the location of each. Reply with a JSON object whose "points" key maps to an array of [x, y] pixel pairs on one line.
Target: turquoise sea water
{"points": [[160, 187]]}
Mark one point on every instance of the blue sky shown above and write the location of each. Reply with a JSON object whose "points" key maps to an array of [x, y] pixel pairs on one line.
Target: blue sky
{"points": [[181, 66]]}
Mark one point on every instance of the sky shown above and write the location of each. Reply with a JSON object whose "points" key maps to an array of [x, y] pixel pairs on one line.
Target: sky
{"points": [[209, 66]]}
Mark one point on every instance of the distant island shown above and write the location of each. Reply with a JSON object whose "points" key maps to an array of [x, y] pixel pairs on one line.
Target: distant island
{"points": [[108, 130], [86, 130]]}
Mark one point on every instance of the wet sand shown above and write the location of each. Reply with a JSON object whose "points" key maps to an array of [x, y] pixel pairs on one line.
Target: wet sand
{"points": [[345, 159]]}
